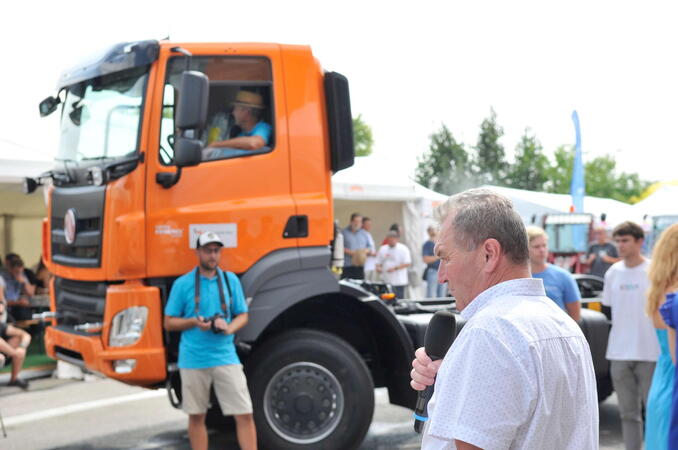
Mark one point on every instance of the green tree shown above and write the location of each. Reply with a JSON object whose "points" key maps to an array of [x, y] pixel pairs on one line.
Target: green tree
{"points": [[362, 137], [489, 164], [600, 175], [560, 171], [444, 167], [530, 169], [602, 180]]}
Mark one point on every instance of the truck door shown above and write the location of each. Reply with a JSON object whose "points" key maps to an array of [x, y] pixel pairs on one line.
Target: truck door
{"points": [[243, 195]]}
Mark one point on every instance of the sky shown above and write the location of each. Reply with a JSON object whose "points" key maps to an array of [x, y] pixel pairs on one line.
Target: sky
{"points": [[411, 66]]}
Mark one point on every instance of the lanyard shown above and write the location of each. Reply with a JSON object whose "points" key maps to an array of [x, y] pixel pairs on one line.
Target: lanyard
{"points": [[224, 308]]}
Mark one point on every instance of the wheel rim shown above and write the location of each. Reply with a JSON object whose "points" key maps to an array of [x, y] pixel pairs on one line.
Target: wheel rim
{"points": [[303, 403]]}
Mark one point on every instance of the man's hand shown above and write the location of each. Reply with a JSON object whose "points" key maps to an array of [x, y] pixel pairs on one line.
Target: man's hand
{"points": [[424, 370], [23, 301], [610, 259], [221, 324], [202, 324], [590, 259]]}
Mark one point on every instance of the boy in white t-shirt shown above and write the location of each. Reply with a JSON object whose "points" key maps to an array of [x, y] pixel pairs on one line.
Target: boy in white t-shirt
{"points": [[393, 259], [632, 346]]}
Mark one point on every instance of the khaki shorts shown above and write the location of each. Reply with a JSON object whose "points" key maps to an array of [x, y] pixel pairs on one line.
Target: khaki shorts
{"points": [[230, 386]]}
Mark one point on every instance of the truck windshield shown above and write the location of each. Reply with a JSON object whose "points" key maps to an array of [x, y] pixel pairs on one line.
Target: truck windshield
{"points": [[100, 118]]}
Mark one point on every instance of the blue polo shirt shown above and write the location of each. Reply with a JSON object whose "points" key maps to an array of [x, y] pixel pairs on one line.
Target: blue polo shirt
{"points": [[201, 349], [427, 250], [261, 129], [559, 285]]}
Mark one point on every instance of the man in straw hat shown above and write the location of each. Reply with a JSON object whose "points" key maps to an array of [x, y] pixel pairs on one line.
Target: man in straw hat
{"points": [[248, 110]]}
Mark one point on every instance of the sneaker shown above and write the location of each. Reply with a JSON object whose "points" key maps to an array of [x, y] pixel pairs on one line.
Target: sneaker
{"points": [[23, 384]]}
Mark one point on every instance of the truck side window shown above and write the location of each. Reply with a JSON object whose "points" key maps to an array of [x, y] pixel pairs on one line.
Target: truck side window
{"points": [[240, 118]]}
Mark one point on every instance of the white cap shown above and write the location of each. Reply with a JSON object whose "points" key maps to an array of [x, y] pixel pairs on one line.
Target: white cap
{"points": [[209, 237]]}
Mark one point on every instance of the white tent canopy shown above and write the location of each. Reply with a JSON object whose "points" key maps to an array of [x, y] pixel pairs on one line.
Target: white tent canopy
{"points": [[17, 162], [530, 204], [20, 215], [663, 202]]}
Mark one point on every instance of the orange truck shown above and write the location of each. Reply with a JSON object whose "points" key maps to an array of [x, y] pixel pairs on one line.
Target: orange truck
{"points": [[132, 188]]}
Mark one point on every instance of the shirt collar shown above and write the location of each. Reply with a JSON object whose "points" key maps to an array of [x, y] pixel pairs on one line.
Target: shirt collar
{"points": [[519, 286], [203, 277]]}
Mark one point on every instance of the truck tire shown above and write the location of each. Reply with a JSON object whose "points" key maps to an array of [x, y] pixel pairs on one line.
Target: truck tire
{"points": [[310, 389]]}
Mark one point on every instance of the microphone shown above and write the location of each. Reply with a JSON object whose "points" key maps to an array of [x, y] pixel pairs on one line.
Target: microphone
{"points": [[440, 334]]}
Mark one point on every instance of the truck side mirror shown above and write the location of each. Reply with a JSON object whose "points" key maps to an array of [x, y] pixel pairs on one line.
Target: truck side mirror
{"points": [[192, 104], [48, 106], [187, 152], [339, 121], [191, 120]]}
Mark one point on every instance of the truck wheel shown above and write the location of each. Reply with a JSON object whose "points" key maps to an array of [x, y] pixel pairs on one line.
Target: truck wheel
{"points": [[310, 389]]}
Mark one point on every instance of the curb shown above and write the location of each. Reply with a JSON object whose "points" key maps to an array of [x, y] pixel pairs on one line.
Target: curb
{"points": [[31, 373]]}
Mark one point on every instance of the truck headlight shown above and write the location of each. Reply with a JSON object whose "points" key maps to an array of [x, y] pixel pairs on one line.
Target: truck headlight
{"points": [[127, 326]]}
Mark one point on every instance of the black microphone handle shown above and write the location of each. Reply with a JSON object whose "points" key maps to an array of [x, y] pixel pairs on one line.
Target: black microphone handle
{"points": [[421, 409]]}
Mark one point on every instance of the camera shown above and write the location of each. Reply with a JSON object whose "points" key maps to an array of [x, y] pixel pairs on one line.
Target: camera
{"points": [[211, 320]]}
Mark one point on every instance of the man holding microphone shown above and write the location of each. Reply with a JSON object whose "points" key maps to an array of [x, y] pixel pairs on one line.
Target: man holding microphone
{"points": [[520, 373]]}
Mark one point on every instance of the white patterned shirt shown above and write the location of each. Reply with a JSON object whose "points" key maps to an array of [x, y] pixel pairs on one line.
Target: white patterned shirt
{"points": [[518, 376]]}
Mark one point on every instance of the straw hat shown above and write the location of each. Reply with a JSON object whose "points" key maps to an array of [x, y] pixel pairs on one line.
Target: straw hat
{"points": [[249, 100]]}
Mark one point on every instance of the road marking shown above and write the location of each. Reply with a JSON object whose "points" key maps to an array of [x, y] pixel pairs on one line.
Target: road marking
{"points": [[78, 407]]}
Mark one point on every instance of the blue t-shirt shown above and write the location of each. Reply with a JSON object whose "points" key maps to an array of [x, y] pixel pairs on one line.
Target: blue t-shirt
{"points": [[428, 251], [201, 349], [559, 285], [12, 287], [261, 129]]}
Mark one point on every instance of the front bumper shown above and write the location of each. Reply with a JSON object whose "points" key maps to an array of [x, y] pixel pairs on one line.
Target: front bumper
{"points": [[93, 352]]}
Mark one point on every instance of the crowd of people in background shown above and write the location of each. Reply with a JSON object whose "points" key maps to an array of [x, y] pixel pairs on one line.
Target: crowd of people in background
{"points": [[390, 262], [641, 295], [17, 285]]}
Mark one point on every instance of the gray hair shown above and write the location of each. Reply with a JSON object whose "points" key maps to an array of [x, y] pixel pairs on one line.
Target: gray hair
{"points": [[481, 214]]}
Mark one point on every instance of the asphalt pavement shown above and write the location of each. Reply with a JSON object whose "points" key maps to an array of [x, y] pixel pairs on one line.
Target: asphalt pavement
{"points": [[105, 414]]}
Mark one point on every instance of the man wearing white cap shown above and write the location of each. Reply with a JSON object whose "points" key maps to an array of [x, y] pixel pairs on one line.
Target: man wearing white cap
{"points": [[208, 306], [248, 110]]}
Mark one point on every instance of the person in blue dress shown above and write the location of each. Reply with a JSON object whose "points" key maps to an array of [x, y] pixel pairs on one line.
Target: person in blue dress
{"points": [[248, 111], [661, 428]]}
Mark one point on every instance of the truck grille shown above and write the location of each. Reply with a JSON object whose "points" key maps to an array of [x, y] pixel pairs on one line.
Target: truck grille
{"points": [[79, 302], [88, 202]]}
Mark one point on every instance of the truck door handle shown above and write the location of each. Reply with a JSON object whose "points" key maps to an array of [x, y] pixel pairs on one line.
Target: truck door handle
{"points": [[297, 227]]}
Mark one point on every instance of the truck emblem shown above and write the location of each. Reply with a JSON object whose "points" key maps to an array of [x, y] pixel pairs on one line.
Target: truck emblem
{"points": [[70, 226]]}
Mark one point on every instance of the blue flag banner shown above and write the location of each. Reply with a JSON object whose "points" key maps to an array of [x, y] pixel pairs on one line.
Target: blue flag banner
{"points": [[577, 185]]}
